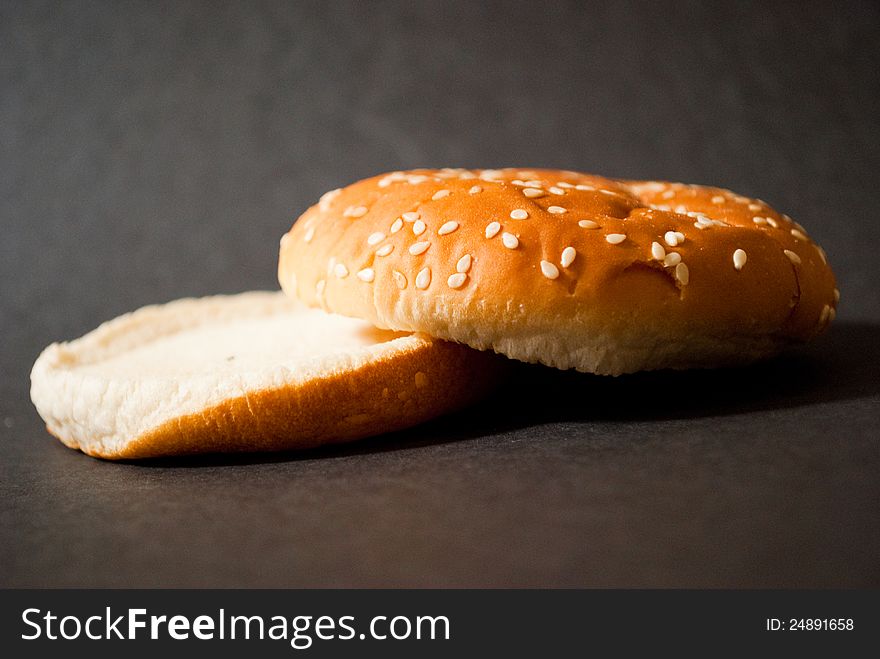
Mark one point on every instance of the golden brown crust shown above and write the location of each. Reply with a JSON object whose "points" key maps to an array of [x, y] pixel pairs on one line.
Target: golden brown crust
{"points": [[752, 280], [431, 380]]}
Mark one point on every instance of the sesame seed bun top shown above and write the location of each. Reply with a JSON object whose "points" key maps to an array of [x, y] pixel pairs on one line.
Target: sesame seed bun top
{"points": [[562, 268]]}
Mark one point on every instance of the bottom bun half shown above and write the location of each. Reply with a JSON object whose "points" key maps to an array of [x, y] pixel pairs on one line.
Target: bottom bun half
{"points": [[249, 372]]}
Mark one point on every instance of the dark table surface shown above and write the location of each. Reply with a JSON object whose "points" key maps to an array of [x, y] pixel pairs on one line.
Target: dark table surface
{"points": [[152, 151]]}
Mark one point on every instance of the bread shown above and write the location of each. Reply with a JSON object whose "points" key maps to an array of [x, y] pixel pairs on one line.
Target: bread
{"points": [[564, 269], [250, 372]]}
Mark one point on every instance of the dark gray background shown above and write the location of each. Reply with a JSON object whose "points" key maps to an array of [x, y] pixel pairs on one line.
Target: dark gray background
{"points": [[156, 150]]}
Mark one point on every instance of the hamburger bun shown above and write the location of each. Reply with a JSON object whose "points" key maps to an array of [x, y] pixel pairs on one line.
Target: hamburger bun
{"points": [[565, 269], [249, 372]]}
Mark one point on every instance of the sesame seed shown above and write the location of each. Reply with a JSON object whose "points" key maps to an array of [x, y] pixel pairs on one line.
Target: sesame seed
{"points": [[773, 223], [680, 236], [588, 224], [836, 296], [585, 187], [517, 182], [718, 199], [739, 258], [568, 256], [448, 227], [492, 229], [754, 207], [533, 193], [355, 211], [509, 240], [556, 210], [823, 316], [475, 190], [464, 263], [375, 238], [658, 252], [419, 227], [682, 274], [671, 238], [609, 192], [399, 279], [832, 314], [518, 214], [419, 248], [397, 225], [440, 194], [385, 250], [327, 197], [309, 235], [615, 238], [798, 234], [340, 270], [650, 186], [794, 258], [411, 216], [457, 280], [564, 184], [533, 184], [759, 220], [423, 279], [367, 275], [549, 270], [557, 191], [671, 259], [396, 176], [669, 194]]}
